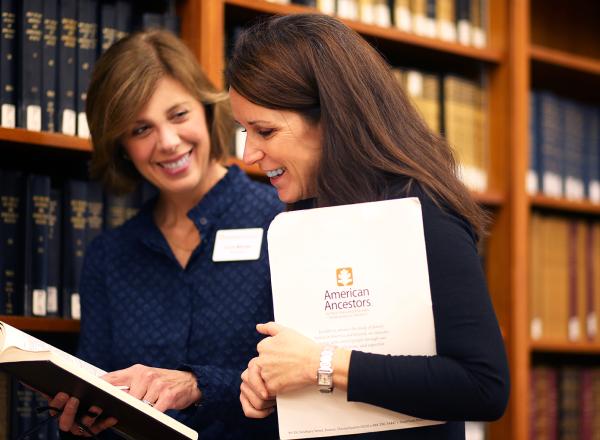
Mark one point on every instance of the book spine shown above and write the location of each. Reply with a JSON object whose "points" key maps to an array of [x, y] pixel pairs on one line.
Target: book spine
{"points": [[95, 212], [592, 148], [463, 21], [402, 16], [36, 239], [87, 43], [8, 74], [573, 145], [551, 157], [108, 25], [4, 405], [67, 68], [22, 417], [54, 246], [532, 182], [30, 65], [74, 221], [49, 78], [124, 20], [11, 242]]}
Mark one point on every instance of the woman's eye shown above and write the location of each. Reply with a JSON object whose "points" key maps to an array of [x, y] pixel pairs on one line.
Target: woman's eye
{"points": [[265, 133], [138, 131], [180, 114]]}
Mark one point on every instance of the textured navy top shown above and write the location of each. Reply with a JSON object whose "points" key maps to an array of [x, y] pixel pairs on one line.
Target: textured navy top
{"points": [[140, 306]]}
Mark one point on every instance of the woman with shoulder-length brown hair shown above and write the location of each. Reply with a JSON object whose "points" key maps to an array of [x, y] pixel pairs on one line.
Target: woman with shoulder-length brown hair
{"points": [[172, 322], [329, 125]]}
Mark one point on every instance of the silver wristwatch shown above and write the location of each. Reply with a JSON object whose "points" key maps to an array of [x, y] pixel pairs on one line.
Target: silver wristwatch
{"points": [[325, 371]]}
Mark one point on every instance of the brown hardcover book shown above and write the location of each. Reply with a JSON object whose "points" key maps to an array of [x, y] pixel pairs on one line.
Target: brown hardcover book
{"points": [[556, 283], [569, 406]]}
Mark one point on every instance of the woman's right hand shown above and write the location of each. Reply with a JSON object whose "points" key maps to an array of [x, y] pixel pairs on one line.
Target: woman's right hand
{"points": [[255, 399], [90, 420]]}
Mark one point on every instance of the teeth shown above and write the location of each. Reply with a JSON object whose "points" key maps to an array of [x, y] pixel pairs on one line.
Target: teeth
{"points": [[174, 165], [276, 172]]}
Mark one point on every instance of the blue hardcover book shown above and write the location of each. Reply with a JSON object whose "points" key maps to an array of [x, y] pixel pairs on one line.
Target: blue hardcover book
{"points": [[8, 70], [573, 145], [66, 116], [22, 413], [151, 20], [74, 227], [592, 153], [54, 244], [463, 21], [87, 46], [49, 78], [30, 65], [95, 211], [170, 19], [107, 33], [11, 242], [551, 144], [120, 208], [533, 183], [124, 20], [36, 245]]}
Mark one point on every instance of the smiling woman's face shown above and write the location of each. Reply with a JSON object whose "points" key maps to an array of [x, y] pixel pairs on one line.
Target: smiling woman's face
{"points": [[284, 145], [169, 142]]}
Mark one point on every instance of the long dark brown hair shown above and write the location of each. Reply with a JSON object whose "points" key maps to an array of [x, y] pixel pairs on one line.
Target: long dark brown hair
{"points": [[315, 65]]}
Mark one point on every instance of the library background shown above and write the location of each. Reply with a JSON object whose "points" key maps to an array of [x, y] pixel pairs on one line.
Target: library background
{"points": [[513, 84]]}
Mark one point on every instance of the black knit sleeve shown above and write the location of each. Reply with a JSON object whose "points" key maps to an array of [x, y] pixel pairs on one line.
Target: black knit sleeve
{"points": [[468, 378]]}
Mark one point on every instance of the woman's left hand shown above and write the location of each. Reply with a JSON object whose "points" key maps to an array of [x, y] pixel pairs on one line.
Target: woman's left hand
{"points": [[286, 359], [161, 388]]}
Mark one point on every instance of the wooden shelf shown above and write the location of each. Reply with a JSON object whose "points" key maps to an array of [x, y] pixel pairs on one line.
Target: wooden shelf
{"points": [[491, 199], [556, 204], [565, 60], [55, 325], [487, 55], [53, 140], [592, 348]]}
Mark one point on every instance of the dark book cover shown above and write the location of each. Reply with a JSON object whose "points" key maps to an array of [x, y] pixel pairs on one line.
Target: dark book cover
{"points": [[36, 242], [573, 146], [124, 18], [54, 245], [4, 405], [74, 227], [120, 208], [49, 78], [66, 117], [31, 28], [107, 33], [8, 69], [151, 20], [95, 211], [11, 241], [551, 125], [534, 172], [592, 153], [87, 42], [22, 411]]}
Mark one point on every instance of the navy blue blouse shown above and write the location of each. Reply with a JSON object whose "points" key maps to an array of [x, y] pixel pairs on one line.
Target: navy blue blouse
{"points": [[140, 306]]}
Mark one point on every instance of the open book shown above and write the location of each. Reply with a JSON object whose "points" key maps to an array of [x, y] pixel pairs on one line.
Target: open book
{"points": [[353, 276], [50, 370]]}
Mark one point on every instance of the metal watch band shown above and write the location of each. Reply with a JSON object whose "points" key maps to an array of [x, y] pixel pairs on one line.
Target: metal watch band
{"points": [[325, 371]]}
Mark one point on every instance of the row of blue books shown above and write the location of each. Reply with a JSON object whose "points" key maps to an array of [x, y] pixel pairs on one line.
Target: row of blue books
{"points": [[564, 159], [44, 231], [21, 410], [48, 49]]}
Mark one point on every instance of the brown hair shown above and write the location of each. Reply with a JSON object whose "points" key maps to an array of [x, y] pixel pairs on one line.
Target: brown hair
{"points": [[315, 65], [123, 81]]}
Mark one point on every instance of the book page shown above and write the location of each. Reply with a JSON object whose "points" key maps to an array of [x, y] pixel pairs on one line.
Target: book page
{"points": [[12, 337], [353, 276]]}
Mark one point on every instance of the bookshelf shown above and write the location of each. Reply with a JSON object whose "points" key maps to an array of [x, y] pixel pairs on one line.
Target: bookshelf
{"points": [[533, 43]]}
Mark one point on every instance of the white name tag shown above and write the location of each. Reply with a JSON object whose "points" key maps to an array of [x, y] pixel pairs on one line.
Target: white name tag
{"points": [[238, 244]]}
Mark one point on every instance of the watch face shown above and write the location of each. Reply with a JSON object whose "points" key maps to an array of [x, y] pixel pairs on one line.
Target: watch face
{"points": [[324, 379]]}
